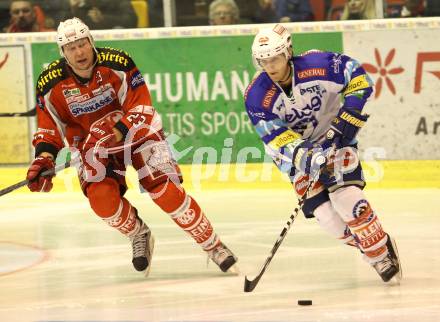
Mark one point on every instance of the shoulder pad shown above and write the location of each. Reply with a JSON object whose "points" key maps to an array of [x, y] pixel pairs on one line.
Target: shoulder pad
{"points": [[314, 57], [51, 75], [311, 51], [261, 91], [115, 59], [312, 65]]}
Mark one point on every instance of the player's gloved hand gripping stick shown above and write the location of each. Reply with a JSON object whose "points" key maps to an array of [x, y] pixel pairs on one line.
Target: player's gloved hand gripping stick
{"points": [[58, 168], [249, 285], [49, 172]]}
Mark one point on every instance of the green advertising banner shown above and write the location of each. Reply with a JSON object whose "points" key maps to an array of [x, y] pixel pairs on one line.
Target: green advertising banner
{"points": [[197, 86]]}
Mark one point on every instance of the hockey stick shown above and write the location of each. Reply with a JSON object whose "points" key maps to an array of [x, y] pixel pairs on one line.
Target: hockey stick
{"points": [[31, 112], [58, 168], [249, 285], [55, 170]]}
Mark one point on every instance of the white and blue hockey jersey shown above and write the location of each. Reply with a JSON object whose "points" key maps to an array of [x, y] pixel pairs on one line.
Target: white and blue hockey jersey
{"points": [[322, 83]]}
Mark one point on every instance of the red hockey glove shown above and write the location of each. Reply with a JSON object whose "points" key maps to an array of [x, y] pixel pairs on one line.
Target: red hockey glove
{"points": [[36, 181], [94, 149]]}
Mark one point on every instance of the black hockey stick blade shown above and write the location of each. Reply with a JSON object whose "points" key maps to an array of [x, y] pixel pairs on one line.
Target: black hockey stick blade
{"points": [[249, 285], [29, 113]]}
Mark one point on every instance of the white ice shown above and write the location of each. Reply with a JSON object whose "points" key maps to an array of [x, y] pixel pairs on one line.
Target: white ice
{"points": [[59, 262]]}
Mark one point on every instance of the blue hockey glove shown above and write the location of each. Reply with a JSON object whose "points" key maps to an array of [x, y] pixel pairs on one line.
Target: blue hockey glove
{"points": [[345, 126], [308, 158]]}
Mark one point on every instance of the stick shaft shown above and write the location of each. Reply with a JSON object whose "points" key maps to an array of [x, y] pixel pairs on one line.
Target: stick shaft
{"points": [[249, 285], [31, 112]]}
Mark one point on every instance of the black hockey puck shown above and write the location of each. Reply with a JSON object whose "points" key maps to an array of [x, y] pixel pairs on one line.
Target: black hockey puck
{"points": [[304, 302]]}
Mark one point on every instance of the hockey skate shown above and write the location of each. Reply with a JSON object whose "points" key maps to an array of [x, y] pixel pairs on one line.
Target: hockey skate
{"points": [[224, 258], [390, 266], [143, 245]]}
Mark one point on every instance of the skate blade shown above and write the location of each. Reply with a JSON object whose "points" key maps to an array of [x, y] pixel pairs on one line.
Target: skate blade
{"points": [[233, 270], [398, 277], [151, 242]]}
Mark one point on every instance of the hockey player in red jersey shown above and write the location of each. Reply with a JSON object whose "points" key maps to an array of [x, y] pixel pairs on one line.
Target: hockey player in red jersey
{"points": [[95, 100]]}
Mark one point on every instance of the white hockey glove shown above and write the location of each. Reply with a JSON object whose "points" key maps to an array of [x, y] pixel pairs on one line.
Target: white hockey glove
{"points": [[308, 158]]}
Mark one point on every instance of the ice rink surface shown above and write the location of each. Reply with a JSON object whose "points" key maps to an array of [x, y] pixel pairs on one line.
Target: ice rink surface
{"points": [[59, 262]]}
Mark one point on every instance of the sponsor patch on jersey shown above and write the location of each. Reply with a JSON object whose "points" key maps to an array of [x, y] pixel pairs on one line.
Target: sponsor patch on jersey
{"points": [[312, 72], [78, 99], [267, 100], [48, 76], [356, 84], [313, 89], [137, 80], [71, 92], [92, 104], [112, 55], [283, 139], [260, 115], [101, 89], [49, 131], [337, 62]]}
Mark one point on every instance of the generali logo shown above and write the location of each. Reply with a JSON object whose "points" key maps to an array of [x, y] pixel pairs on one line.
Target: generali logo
{"points": [[312, 72], [4, 60], [268, 97]]}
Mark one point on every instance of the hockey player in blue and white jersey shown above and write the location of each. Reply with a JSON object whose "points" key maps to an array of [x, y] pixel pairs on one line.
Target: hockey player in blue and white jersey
{"points": [[308, 107]]}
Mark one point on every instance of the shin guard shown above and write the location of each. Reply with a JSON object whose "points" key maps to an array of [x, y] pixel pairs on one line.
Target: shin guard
{"points": [[331, 222], [117, 212], [186, 213], [351, 204]]}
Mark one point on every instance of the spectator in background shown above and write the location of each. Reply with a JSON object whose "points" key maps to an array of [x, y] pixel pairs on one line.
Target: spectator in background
{"points": [[25, 17], [293, 10], [4, 14], [432, 8], [55, 10], [223, 12], [265, 12], [412, 8], [359, 9], [101, 14], [155, 13]]}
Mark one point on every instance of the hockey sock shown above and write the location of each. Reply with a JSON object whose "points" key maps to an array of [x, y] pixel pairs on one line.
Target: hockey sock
{"points": [[186, 213], [331, 222], [355, 210], [117, 212]]}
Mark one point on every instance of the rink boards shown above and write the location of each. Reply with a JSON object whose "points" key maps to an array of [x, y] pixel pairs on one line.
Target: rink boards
{"points": [[378, 175], [197, 77]]}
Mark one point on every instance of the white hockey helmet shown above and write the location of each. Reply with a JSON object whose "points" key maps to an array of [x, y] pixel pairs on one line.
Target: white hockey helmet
{"points": [[270, 42], [71, 30]]}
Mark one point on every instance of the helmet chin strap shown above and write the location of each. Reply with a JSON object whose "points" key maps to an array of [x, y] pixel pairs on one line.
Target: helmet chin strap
{"points": [[289, 76]]}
